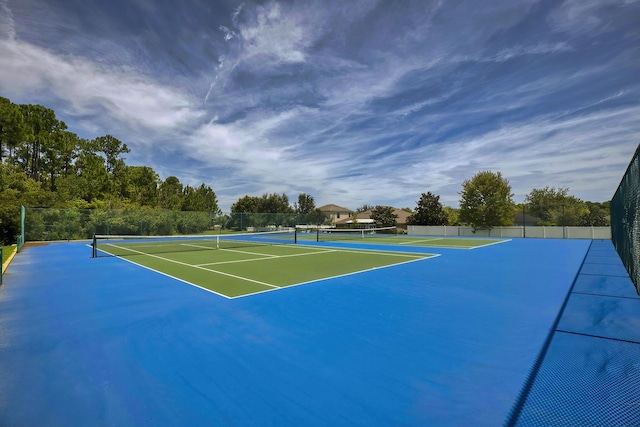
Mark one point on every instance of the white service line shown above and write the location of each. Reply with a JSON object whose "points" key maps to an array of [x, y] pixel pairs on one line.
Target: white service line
{"points": [[196, 246], [421, 241], [262, 259], [195, 266], [248, 253], [335, 277]]}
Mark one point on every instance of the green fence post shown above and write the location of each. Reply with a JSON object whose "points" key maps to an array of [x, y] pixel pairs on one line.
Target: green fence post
{"points": [[21, 236]]}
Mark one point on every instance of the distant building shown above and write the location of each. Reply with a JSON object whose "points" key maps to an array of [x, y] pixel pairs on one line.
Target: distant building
{"points": [[336, 213], [363, 219]]}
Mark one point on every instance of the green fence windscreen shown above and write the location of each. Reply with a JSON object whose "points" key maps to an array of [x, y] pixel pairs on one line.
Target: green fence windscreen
{"points": [[76, 224], [625, 219]]}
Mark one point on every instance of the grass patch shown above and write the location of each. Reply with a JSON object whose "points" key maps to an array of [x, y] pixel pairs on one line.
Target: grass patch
{"points": [[6, 252]]}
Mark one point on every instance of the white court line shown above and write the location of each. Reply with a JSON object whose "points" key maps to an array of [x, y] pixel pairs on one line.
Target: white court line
{"points": [[389, 253], [194, 246], [195, 266], [489, 244], [337, 276], [421, 241], [319, 251], [248, 253], [377, 251], [263, 259], [174, 277]]}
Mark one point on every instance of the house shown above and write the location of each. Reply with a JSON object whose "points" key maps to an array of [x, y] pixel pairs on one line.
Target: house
{"points": [[335, 213], [364, 219]]}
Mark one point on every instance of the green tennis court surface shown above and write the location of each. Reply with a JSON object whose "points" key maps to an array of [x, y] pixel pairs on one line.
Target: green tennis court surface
{"points": [[398, 239], [249, 268]]}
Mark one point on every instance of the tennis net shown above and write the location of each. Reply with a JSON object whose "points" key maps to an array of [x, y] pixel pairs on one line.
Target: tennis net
{"points": [[129, 245], [333, 234]]}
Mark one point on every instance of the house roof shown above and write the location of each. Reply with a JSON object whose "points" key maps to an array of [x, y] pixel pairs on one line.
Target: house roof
{"points": [[365, 217], [334, 208]]}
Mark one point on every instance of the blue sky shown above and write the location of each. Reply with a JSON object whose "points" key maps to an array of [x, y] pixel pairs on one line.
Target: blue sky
{"points": [[352, 102]]}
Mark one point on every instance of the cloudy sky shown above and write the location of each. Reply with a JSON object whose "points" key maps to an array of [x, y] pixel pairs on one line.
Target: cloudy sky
{"points": [[350, 101]]}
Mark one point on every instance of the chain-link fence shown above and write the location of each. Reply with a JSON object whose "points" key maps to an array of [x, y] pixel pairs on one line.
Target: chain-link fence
{"points": [[46, 224], [625, 219]]}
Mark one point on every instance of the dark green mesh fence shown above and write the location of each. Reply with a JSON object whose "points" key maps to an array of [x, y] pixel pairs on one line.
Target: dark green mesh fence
{"points": [[625, 219], [75, 224], [21, 235]]}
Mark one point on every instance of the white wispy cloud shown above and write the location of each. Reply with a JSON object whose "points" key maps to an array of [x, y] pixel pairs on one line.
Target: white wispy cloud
{"points": [[571, 152], [86, 86], [357, 102], [274, 34], [579, 17], [520, 150], [7, 26]]}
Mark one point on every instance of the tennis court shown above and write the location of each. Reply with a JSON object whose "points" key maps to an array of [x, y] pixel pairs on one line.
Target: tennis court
{"points": [[244, 264], [390, 236], [380, 333]]}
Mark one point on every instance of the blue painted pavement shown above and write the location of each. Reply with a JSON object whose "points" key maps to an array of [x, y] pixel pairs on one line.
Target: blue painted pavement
{"points": [[445, 341]]}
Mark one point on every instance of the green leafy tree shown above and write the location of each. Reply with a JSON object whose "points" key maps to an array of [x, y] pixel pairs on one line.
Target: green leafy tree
{"points": [[112, 149], [141, 186], [317, 217], [453, 215], [12, 128], [243, 212], [61, 170], [554, 206], [429, 211], [17, 189], [58, 156], [384, 216], [202, 199], [267, 203], [170, 194], [41, 124], [246, 204], [92, 181], [306, 204], [486, 201], [365, 207], [596, 216], [274, 203]]}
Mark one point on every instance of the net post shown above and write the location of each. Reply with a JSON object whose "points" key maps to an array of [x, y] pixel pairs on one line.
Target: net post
{"points": [[295, 235], [318, 233], [217, 242], [94, 247]]}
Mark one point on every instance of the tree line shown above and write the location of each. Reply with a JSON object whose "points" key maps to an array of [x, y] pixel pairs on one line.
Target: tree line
{"points": [[43, 164], [486, 201]]}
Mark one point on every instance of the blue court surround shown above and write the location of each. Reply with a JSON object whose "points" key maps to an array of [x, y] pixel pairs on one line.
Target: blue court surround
{"points": [[590, 374], [446, 341]]}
